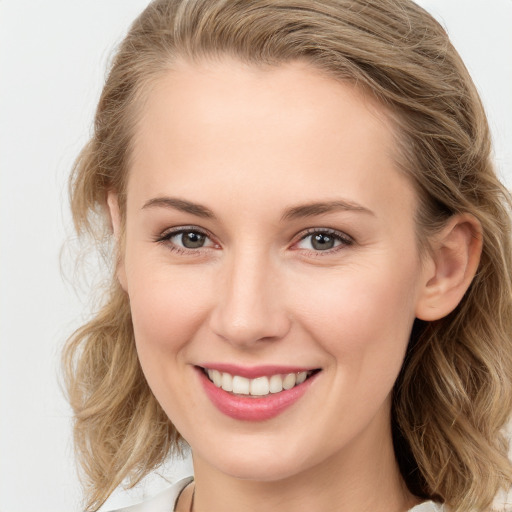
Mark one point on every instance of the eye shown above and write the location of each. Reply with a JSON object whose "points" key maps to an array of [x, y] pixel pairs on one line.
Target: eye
{"points": [[323, 240], [186, 239], [189, 239]]}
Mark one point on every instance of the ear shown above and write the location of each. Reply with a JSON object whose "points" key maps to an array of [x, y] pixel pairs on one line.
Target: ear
{"points": [[453, 263], [115, 219]]}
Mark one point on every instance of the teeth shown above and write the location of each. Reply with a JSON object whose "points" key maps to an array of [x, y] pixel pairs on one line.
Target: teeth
{"points": [[301, 377], [289, 381], [216, 377], [276, 384], [226, 382], [241, 385], [261, 386]]}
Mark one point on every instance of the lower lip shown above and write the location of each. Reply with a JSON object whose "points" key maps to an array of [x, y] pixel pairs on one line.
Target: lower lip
{"points": [[253, 409]]}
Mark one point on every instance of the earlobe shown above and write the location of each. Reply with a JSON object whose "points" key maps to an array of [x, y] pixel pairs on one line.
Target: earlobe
{"points": [[453, 264], [115, 220]]}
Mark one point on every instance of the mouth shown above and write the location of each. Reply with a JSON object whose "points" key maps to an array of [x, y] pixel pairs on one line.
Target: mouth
{"points": [[258, 387], [260, 393]]}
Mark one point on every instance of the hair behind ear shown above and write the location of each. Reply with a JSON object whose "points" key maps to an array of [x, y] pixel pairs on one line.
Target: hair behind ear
{"points": [[453, 396]]}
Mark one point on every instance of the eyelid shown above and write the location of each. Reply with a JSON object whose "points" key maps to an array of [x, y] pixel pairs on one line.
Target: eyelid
{"points": [[167, 233]]}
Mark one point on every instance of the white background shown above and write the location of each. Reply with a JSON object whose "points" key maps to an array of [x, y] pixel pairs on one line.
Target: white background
{"points": [[53, 54]]}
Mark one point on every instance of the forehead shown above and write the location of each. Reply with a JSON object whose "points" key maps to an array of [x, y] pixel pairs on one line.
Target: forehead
{"points": [[288, 131]]}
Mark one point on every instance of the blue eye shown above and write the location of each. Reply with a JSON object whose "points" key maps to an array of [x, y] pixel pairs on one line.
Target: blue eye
{"points": [[323, 240]]}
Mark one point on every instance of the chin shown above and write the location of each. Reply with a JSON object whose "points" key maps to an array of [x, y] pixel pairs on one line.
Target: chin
{"points": [[259, 463], [265, 471]]}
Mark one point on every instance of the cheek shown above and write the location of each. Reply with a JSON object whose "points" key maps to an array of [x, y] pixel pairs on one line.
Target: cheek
{"points": [[363, 317], [168, 306], [165, 312], [363, 321]]}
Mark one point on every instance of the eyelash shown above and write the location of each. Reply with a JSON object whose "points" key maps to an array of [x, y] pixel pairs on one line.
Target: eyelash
{"points": [[344, 239], [165, 239]]}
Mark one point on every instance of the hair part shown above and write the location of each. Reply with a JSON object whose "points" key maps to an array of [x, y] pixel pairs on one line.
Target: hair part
{"points": [[453, 396]]}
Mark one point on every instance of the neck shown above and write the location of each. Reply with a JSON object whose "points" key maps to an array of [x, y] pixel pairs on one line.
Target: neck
{"points": [[362, 478]]}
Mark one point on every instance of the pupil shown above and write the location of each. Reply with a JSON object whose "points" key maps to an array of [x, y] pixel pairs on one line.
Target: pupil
{"points": [[192, 240], [322, 242]]}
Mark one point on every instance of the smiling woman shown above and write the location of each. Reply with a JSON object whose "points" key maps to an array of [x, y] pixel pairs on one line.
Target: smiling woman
{"points": [[312, 286]]}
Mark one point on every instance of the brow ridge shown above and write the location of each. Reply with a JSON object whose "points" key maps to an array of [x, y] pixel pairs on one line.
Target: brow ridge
{"points": [[320, 208], [180, 204], [295, 212]]}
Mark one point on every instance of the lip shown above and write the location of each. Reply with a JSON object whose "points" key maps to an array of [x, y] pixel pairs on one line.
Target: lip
{"points": [[258, 408]]}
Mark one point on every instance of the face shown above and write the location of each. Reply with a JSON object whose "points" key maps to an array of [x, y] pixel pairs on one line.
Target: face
{"points": [[269, 239]]}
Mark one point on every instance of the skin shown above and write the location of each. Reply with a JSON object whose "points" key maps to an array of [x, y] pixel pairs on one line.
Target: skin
{"points": [[249, 144]]}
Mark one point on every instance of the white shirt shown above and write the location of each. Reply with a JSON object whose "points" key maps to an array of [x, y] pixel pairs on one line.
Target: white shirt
{"points": [[165, 501]]}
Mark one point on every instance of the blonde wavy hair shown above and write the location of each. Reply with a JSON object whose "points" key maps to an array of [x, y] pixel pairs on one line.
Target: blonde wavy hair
{"points": [[453, 396]]}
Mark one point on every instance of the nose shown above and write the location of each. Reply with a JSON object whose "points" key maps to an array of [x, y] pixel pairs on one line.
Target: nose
{"points": [[249, 306]]}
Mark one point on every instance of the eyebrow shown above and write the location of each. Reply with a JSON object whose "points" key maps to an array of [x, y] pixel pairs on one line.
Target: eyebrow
{"points": [[181, 205], [320, 208], [295, 212]]}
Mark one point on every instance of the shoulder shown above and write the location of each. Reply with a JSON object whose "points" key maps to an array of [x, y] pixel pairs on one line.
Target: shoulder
{"points": [[161, 502], [428, 506]]}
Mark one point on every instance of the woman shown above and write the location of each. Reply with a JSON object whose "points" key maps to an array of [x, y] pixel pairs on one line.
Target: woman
{"points": [[312, 285]]}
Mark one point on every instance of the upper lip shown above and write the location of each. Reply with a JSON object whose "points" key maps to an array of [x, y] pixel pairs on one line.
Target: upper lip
{"points": [[252, 372]]}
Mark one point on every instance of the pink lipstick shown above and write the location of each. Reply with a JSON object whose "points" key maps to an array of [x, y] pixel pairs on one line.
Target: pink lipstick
{"points": [[254, 393]]}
